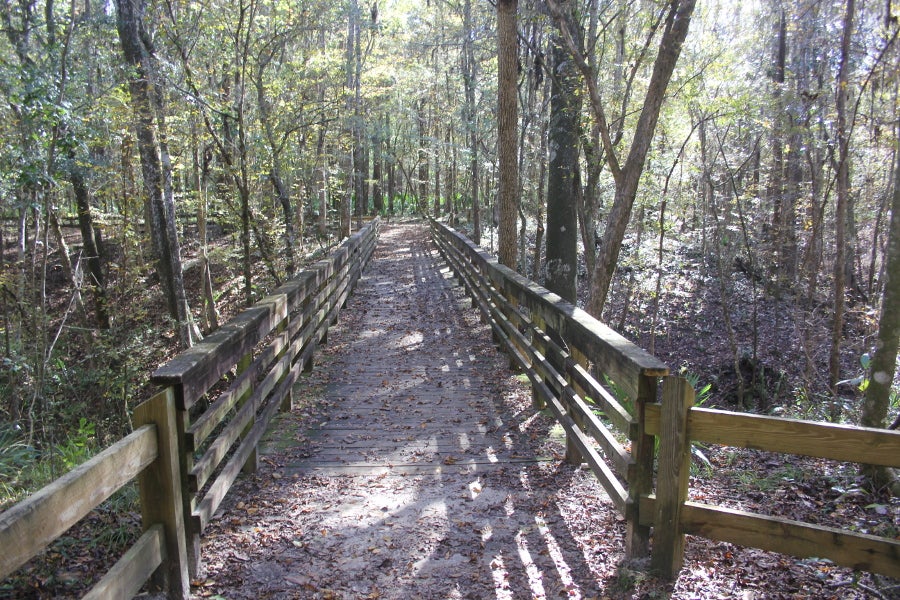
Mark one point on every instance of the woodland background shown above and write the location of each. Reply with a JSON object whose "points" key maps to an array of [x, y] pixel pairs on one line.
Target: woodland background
{"points": [[166, 162]]}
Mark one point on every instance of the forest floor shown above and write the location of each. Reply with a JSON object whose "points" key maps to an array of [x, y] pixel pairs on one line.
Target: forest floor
{"points": [[539, 528]]}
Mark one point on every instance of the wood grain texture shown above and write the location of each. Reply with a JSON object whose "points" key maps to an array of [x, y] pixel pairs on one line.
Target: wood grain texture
{"points": [[846, 443], [162, 502], [854, 550], [30, 525], [128, 575], [674, 473]]}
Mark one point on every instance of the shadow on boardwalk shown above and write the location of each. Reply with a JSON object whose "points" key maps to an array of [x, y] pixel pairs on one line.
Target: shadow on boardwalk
{"points": [[413, 466]]}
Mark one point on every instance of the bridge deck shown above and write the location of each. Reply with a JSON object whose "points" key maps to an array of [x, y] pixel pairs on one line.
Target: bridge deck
{"points": [[425, 475]]}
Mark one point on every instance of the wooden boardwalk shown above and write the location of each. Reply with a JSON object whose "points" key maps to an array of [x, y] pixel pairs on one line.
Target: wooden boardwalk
{"points": [[427, 476], [410, 384]]}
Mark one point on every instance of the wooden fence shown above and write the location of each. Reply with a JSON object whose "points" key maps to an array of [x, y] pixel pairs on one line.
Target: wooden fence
{"points": [[574, 363], [148, 454], [570, 359], [193, 438]]}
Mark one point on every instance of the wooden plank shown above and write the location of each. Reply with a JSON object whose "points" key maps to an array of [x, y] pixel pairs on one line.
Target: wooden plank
{"points": [[854, 550], [29, 526], [162, 502], [623, 361], [232, 469], [135, 567], [610, 406], [674, 473], [790, 436]]}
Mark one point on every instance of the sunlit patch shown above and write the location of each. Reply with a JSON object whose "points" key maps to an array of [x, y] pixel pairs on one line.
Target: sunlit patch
{"points": [[555, 553], [410, 340], [464, 443], [501, 578], [474, 489], [487, 532], [525, 424], [534, 574], [491, 454], [509, 506]]}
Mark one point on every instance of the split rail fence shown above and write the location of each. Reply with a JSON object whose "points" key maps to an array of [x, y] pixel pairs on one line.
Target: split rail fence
{"points": [[604, 390], [193, 438]]}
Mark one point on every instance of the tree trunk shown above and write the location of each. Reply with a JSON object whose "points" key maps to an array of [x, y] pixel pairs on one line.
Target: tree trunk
{"points": [[884, 361], [507, 127], [155, 163], [422, 120], [92, 252], [469, 76], [842, 189], [627, 177], [377, 194], [562, 224]]}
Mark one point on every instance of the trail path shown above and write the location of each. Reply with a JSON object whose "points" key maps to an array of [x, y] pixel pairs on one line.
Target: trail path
{"points": [[414, 466]]}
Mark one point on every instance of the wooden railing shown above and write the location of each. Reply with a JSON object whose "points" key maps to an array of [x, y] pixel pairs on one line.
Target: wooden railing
{"points": [[193, 438], [228, 387], [678, 423], [575, 363], [571, 359], [148, 454]]}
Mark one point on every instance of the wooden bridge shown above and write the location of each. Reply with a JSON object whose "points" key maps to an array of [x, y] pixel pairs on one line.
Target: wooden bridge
{"points": [[431, 466]]}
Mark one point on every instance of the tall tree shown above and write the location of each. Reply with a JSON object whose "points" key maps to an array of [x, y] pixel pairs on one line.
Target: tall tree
{"points": [[840, 212], [884, 360], [627, 175], [156, 165], [562, 181], [507, 128], [469, 75]]}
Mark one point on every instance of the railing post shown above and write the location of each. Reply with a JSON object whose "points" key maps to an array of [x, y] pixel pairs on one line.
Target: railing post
{"points": [[252, 464], [637, 538], [185, 464], [160, 490], [539, 343], [674, 473]]}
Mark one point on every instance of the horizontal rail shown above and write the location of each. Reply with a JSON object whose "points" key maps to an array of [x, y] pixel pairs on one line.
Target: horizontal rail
{"points": [[847, 443], [776, 534], [29, 526], [128, 575]]}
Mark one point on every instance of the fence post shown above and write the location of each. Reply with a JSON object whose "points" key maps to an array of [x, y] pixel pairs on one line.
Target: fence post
{"points": [[252, 464], [674, 472], [160, 490], [637, 537], [539, 326]]}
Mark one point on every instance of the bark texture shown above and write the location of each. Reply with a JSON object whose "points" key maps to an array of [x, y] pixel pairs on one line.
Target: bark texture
{"points": [[156, 166], [562, 232], [507, 126], [884, 360]]}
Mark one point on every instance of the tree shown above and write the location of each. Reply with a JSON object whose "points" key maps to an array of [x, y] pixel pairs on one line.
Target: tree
{"points": [[884, 359], [469, 76], [507, 128], [563, 180], [149, 125], [840, 211], [627, 175]]}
